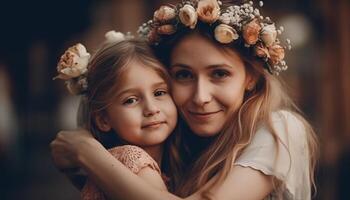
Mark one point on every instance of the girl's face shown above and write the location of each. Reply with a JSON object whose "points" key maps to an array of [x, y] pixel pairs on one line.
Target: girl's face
{"points": [[143, 112], [208, 84]]}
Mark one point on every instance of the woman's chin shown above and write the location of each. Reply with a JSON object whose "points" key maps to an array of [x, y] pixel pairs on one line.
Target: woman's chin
{"points": [[205, 131]]}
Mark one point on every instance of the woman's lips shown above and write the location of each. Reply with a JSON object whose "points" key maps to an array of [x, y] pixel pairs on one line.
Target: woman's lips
{"points": [[154, 124], [203, 115]]}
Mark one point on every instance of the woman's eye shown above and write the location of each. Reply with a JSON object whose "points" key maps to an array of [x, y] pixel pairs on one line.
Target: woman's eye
{"points": [[220, 74], [160, 93], [183, 75], [130, 101]]}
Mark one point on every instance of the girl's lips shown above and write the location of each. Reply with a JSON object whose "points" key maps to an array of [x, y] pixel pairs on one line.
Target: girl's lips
{"points": [[154, 124]]}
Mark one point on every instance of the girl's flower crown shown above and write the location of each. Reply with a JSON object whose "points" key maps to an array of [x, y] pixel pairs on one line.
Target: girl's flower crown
{"points": [[237, 22], [73, 64]]}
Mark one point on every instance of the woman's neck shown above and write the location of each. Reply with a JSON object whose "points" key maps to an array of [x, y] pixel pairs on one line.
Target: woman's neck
{"points": [[156, 152]]}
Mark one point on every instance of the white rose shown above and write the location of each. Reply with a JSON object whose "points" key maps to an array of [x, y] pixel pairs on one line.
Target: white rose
{"points": [[73, 62], [188, 16], [113, 36], [225, 34], [269, 34]]}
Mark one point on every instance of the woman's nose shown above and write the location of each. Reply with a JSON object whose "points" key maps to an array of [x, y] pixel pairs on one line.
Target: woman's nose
{"points": [[202, 94]]}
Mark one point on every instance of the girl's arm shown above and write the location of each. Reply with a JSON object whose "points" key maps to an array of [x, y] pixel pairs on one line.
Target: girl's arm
{"points": [[120, 183]]}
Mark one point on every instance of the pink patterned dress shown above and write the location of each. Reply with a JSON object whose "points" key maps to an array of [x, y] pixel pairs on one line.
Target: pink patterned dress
{"points": [[132, 157]]}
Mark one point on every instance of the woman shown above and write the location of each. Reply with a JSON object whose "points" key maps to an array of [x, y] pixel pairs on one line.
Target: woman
{"points": [[241, 135]]}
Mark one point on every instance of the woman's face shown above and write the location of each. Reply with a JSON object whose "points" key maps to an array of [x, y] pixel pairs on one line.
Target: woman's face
{"points": [[208, 83]]}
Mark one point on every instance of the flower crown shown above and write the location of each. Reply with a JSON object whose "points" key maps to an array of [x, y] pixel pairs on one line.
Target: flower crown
{"points": [[230, 24], [73, 64]]}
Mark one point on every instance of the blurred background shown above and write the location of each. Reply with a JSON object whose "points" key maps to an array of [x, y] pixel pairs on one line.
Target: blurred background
{"points": [[33, 108]]}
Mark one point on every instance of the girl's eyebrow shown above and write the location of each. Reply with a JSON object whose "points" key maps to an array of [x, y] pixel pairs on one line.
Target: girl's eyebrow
{"points": [[162, 83], [157, 84]]}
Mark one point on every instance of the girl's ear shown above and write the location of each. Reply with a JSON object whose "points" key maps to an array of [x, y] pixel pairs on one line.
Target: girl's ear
{"points": [[102, 123]]}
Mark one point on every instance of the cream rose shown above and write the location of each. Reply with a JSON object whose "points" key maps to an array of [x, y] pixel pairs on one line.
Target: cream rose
{"points": [[276, 53], [164, 13], [73, 62], [251, 32], [208, 11], [188, 16], [225, 34], [113, 36], [167, 29], [269, 34]]}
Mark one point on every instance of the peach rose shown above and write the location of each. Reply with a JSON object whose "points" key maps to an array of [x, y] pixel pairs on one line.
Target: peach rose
{"points": [[188, 16], [167, 29], [225, 34], [251, 32], [208, 11], [164, 13], [73, 62], [261, 51], [153, 36], [269, 34], [276, 53]]}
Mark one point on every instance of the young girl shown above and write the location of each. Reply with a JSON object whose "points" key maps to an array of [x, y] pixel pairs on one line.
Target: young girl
{"points": [[241, 135], [126, 94]]}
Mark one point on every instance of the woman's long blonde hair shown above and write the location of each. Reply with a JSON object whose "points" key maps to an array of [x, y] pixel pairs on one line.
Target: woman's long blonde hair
{"points": [[216, 155]]}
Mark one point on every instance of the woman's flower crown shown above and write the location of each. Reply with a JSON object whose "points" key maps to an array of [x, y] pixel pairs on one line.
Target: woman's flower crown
{"points": [[237, 22], [73, 64]]}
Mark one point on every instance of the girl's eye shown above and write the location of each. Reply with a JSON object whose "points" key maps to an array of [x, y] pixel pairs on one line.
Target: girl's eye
{"points": [[130, 101], [183, 75], [160, 93], [220, 74]]}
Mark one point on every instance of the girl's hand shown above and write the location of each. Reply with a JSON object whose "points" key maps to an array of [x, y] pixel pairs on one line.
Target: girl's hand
{"points": [[68, 148]]}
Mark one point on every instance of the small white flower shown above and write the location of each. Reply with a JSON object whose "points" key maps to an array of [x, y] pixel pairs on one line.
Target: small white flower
{"points": [[113, 36], [225, 18], [282, 28], [261, 3]]}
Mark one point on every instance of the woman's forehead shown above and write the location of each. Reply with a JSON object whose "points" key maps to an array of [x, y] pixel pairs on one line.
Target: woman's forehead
{"points": [[198, 50]]}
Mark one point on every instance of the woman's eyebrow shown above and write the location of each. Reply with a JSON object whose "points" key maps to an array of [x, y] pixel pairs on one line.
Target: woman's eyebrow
{"points": [[179, 65], [219, 66]]}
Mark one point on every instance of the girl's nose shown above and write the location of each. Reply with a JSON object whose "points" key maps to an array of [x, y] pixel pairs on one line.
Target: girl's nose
{"points": [[150, 108]]}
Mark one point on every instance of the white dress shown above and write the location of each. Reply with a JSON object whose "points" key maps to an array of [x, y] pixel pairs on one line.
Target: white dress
{"points": [[290, 164]]}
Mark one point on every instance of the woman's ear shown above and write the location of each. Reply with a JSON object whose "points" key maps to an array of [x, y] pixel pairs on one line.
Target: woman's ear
{"points": [[102, 123], [251, 82]]}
